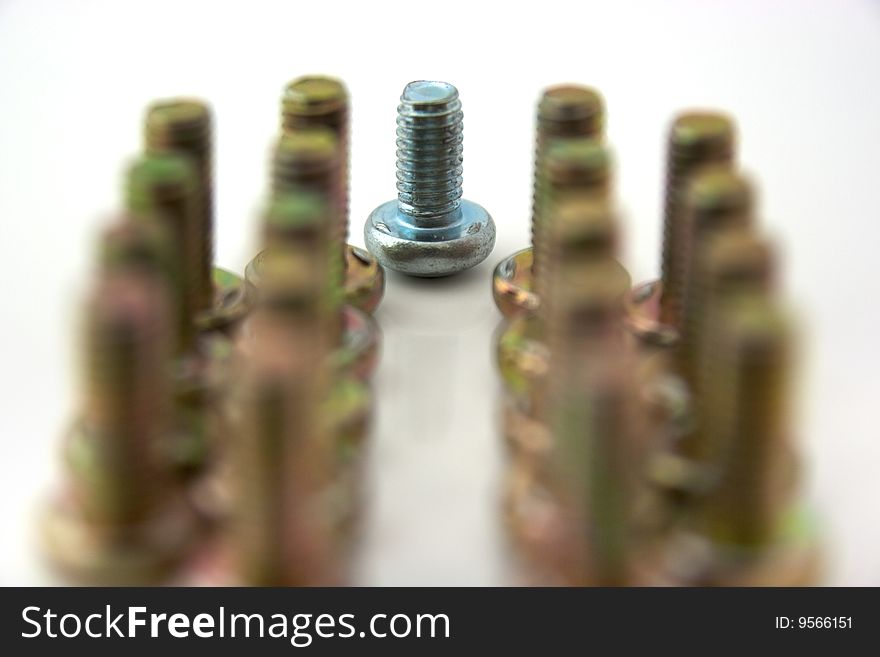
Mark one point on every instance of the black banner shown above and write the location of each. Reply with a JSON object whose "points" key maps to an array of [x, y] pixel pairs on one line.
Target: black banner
{"points": [[134, 621]]}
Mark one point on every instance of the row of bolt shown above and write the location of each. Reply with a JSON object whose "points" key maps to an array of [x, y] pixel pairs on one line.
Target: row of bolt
{"points": [[222, 420], [648, 434]]}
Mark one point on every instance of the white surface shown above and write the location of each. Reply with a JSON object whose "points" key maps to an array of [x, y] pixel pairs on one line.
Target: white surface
{"points": [[801, 78]]}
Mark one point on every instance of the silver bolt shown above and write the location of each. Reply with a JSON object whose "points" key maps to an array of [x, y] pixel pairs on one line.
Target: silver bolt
{"points": [[430, 230]]}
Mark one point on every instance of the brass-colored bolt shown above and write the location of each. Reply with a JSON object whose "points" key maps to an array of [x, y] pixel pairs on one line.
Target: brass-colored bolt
{"points": [[751, 515], [162, 188], [564, 111], [185, 126], [717, 199], [696, 139], [280, 530], [121, 520], [318, 101], [736, 263], [582, 237]]}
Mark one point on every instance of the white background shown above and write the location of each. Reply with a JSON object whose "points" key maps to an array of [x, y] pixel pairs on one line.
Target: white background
{"points": [[802, 78]]}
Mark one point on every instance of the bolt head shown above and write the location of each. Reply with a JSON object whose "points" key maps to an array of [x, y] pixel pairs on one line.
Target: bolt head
{"points": [[442, 250], [512, 284]]}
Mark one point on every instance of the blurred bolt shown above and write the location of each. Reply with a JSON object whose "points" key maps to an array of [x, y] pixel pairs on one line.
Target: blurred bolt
{"points": [[121, 521], [429, 230], [750, 515], [717, 199], [696, 139], [316, 101], [184, 126], [563, 111]]}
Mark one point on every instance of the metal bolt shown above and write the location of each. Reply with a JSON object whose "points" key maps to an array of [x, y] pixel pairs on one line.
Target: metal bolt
{"points": [[430, 230], [279, 530], [317, 101], [717, 199], [184, 126], [736, 263], [564, 111], [161, 188], [121, 521], [305, 167], [696, 139]]}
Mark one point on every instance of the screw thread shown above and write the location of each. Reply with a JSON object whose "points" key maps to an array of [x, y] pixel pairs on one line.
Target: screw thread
{"points": [[278, 535], [565, 111], [735, 264], [747, 410], [429, 152], [307, 162], [185, 126], [583, 229], [161, 189], [598, 443], [570, 167], [717, 199], [116, 464], [696, 139], [322, 102]]}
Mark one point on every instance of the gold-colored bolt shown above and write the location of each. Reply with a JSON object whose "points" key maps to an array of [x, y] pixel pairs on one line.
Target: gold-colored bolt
{"points": [[162, 188], [564, 111], [280, 532], [319, 101], [121, 521], [717, 199], [569, 166], [696, 139], [308, 161], [735, 264], [184, 126], [746, 410]]}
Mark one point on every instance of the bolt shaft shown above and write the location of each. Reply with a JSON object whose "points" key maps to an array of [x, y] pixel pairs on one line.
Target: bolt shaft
{"points": [[185, 127], [115, 460], [279, 535], [323, 102], [695, 140], [572, 167], [429, 152], [717, 199], [564, 111], [161, 188], [747, 411], [735, 264]]}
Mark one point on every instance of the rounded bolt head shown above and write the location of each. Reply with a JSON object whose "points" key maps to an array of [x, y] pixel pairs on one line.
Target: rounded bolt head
{"points": [[364, 279], [448, 249], [512, 284], [230, 303]]}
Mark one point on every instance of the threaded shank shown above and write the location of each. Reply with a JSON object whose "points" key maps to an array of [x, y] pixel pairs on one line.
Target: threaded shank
{"points": [[161, 188], [317, 101], [717, 199], [429, 151], [126, 407], [576, 166], [563, 111], [185, 126], [696, 139], [747, 410]]}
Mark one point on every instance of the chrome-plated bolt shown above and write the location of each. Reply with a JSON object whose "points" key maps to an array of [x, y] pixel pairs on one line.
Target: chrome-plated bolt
{"points": [[430, 230]]}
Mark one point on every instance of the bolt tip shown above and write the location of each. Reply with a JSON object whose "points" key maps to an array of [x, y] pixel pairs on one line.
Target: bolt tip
{"points": [[429, 92]]}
